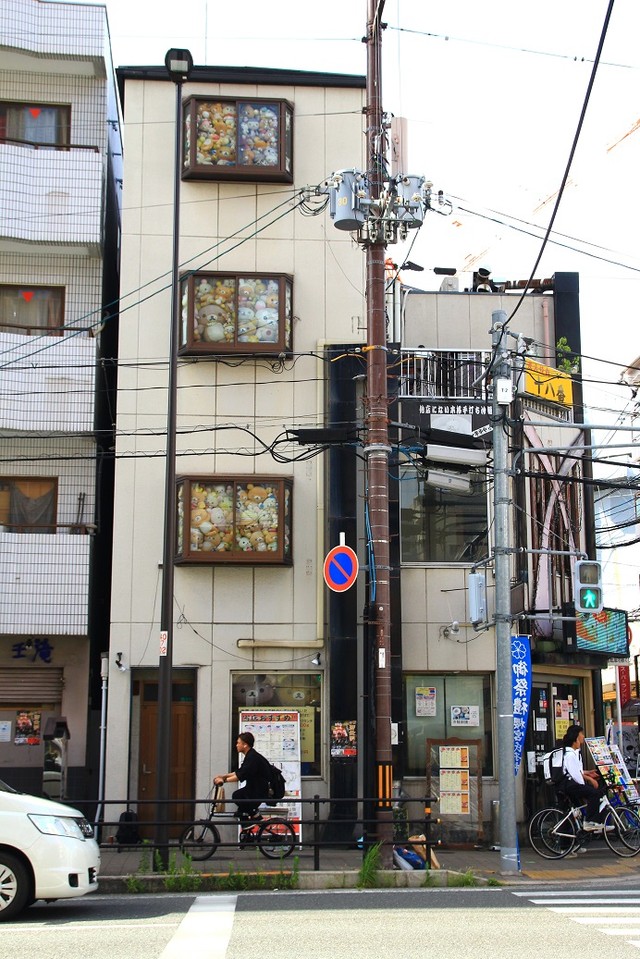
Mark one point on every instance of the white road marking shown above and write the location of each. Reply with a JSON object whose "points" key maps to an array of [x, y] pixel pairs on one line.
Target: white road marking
{"points": [[611, 912], [571, 901], [205, 931]]}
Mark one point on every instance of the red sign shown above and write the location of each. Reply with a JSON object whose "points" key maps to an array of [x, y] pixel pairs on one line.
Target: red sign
{"points": [[340, 568], [624, 684]]}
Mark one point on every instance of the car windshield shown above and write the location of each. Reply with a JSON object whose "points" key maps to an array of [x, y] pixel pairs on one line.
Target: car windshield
{"points": [[4, 788]]}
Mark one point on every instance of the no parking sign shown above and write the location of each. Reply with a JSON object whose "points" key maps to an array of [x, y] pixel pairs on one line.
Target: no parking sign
{"points": [[340, 568]]}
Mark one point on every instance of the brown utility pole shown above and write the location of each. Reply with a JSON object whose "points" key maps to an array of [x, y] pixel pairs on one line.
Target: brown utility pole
{"points": [[377, 447]]}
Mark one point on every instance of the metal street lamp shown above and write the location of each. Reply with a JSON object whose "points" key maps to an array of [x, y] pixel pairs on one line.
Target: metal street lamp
{"points": [[179, 64]]}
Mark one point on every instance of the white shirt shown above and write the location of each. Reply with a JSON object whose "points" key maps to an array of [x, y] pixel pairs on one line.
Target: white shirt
{"points": [[573, 764]]}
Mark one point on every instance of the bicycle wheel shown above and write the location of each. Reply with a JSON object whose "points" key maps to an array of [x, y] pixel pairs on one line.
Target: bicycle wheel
{"points": [[200, 840], [552, 833], [622, 831], [276, 839]]}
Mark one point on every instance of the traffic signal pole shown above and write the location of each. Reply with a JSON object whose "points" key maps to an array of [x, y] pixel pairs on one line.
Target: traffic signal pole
{"points": [[377, 448]]}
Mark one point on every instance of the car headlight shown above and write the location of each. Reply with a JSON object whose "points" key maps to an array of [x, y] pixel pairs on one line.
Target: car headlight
{"points": [[57, 826]]}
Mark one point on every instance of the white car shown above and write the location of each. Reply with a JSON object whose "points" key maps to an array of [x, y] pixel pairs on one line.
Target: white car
{"points": [[47, 851]]}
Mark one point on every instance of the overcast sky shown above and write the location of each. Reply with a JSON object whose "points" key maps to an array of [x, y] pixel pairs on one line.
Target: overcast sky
{"points": [[493, 93]]}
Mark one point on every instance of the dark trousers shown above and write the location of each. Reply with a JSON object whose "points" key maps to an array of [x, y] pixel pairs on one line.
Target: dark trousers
{"points": [[579, 793], [246, 801]]}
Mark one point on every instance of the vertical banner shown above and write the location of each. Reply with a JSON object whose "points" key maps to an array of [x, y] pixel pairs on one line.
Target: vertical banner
{"points": [[624, 684], [521, 693]]}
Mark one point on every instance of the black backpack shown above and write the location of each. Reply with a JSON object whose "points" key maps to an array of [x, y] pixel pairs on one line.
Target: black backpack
{"points": [[128, 834], [277, 785]]}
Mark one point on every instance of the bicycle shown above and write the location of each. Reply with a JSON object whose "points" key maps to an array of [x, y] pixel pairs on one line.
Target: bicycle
{"points": [[555, 832], [273, 836]]}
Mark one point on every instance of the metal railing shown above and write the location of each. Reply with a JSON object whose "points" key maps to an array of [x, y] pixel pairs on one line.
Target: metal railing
{"points": [[357, 816], [443, 374]]}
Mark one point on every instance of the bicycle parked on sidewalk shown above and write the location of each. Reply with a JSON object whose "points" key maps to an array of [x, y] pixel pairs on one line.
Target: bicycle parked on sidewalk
{"points": [[272, 835], [557, 831]]}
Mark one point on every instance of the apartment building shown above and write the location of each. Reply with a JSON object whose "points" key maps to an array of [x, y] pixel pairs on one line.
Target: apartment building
{"points": [[60, 182], [262, 288]]}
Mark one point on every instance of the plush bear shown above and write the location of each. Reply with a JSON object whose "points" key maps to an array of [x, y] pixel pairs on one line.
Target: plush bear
{"points": [[256, 494]]}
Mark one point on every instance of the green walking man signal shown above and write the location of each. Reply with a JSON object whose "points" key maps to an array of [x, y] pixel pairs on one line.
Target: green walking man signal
{"points": [[588, 587]]}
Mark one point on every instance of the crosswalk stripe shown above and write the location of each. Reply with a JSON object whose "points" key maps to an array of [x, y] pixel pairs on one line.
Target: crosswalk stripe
{"points": [[583, 902], [599, 910], [611, 912], [205, 931]]}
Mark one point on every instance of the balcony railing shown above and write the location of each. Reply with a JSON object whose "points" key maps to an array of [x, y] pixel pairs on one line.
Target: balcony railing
{"points": [[44, 581], [60, 201], [48, 382], [444, 374]]}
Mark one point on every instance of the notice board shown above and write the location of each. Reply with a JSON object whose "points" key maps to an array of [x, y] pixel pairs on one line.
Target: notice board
{"points": [[454, 775]]}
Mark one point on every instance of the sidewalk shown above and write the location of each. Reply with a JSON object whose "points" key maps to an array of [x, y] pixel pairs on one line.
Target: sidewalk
{"points": [[597, 863]]}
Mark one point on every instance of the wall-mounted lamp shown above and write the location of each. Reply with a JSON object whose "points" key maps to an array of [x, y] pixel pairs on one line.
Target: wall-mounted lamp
{"points": [[316, 660], [121, 666]]}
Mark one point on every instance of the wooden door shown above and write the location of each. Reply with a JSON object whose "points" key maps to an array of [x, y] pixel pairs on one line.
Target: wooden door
{"points": [[181, 767]]}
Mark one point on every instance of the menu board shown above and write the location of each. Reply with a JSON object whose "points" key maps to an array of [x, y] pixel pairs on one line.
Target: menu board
{"points": [[611, 766]]}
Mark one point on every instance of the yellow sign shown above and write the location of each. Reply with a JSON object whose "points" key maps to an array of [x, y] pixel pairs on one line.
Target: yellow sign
{"points": [[547, 384]]}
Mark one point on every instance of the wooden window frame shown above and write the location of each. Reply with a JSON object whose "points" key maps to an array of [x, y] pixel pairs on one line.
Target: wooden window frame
{"points": [[227, 525], [228, 309], [230, 169]]}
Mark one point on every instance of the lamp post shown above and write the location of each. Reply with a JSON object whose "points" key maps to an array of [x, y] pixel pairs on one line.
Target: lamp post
{"points": [[179, 64]]}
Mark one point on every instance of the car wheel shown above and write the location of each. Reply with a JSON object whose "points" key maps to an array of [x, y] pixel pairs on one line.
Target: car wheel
{"points": [[15, 888]]}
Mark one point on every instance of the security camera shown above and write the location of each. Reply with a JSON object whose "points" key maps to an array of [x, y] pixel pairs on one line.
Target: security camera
{"points": [[121, 666]]}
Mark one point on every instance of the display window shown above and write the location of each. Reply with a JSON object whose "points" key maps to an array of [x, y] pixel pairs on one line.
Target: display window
{"points": [[238, 139], [245, 520], [236, 313], [300, 691], [446, 706]]}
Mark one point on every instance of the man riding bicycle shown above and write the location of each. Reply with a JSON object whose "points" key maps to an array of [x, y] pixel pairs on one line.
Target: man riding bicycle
{"points": [[254, 773]]}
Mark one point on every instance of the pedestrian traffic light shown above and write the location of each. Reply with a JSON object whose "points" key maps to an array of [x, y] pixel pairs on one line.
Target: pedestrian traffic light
{"points": [[588, 586]]}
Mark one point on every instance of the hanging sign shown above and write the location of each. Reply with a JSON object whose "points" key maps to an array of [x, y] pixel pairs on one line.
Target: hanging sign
{"points": [[521, 693]]}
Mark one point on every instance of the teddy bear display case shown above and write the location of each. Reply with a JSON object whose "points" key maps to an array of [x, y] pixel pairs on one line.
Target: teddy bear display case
{"points": [[236, 313], [240, 519], [238, 139]]}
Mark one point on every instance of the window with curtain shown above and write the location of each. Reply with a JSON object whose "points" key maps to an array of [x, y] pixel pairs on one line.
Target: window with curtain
{"points": [[31, 309], [28, 505], [35, 123]]}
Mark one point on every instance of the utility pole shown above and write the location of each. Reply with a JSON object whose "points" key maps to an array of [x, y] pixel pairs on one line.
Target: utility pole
{"points": [[502, 397], [379, 208], [377, 448]]}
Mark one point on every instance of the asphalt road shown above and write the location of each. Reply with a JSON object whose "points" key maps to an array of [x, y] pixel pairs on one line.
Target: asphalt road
{"points": [[533, 922]]}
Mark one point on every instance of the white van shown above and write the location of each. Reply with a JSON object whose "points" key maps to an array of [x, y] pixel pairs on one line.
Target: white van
{"points": [[47, 851]]}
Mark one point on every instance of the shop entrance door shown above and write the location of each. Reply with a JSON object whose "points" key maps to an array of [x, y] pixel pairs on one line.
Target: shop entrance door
{"points": [[181, 768], [554, 707]]}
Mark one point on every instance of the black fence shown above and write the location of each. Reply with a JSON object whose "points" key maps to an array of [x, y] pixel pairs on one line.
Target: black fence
{"points": [[326, 823]]}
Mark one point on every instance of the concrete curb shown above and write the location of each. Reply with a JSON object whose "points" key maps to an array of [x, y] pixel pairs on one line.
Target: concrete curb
{"points": [[334, 879]]}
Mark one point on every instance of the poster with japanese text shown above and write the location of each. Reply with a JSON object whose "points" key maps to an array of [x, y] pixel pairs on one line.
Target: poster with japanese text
{"points": [[277, 738], [425, 700], [454, 757]]}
